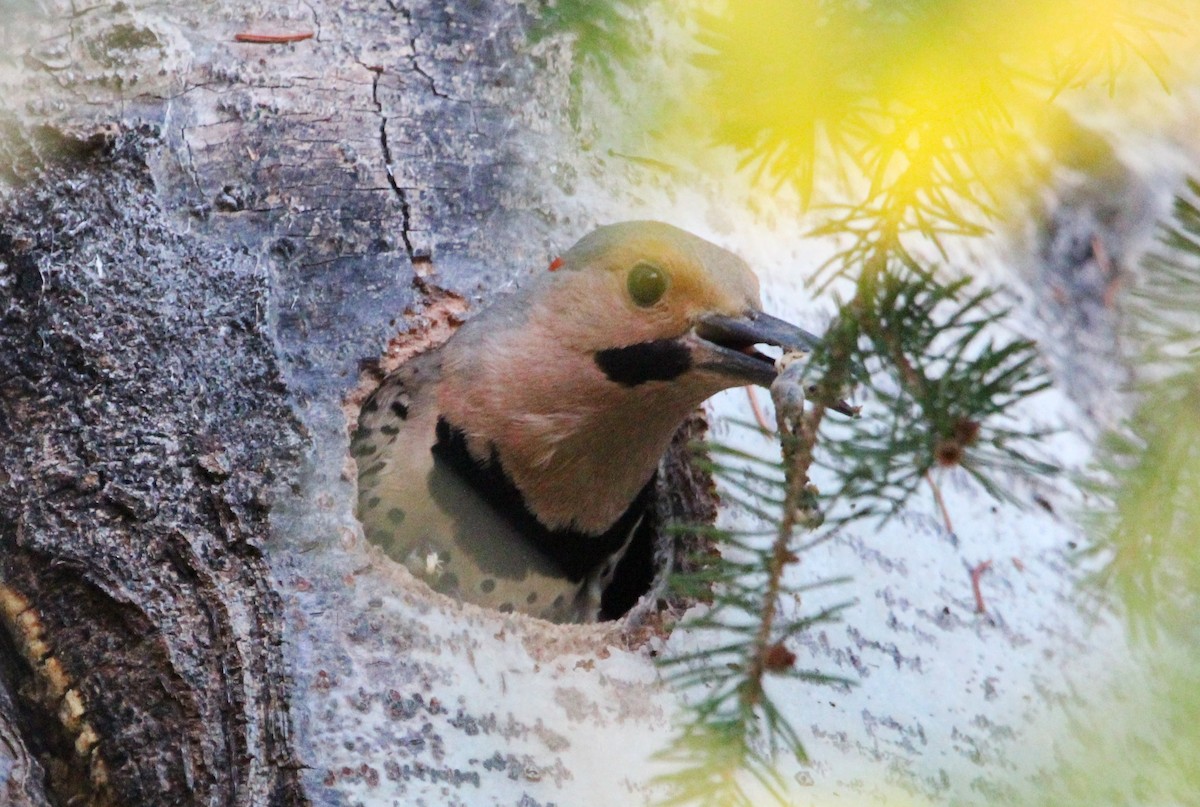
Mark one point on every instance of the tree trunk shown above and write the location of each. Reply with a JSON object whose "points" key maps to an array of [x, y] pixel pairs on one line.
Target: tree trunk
{"points": [[201, 240]]}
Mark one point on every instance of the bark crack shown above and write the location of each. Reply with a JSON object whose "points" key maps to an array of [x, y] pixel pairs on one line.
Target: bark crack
{"points": [[420, 71], [316, 20], [189, 162], [401, 193], [412, 44]]}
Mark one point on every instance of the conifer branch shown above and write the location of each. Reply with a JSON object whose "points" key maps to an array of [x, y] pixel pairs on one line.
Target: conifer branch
{"points": [[798, 439]]}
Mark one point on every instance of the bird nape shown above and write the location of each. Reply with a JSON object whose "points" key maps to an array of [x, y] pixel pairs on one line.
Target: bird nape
{"points": [[514, 465]]}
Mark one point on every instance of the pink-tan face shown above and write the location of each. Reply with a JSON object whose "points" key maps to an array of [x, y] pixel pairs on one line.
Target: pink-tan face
{"points": [[643, 281], [629, 304]]}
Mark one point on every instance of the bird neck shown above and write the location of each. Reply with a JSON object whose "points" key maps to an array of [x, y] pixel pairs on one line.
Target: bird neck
{"points": [[578, 446]]}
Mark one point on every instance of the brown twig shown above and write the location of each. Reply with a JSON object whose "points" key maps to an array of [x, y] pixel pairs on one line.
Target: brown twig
{"points": [[801, 456], [941, 503], [798, 436], [756, 408], [977, 573], [273, 39]]}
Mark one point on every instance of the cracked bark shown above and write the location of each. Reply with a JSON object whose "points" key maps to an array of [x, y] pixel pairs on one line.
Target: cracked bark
{"points": [[401, 194], [200, 241]]}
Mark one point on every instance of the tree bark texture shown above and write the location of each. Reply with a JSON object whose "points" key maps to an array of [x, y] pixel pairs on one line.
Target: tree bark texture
{"points": [[143, 425], [201, 240]]}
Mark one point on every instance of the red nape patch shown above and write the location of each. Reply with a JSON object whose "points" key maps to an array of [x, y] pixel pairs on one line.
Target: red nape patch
{"points": [[556, 264]]}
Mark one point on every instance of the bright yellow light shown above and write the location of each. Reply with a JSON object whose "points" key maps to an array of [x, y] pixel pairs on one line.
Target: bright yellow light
{"points": [[923, 102]]}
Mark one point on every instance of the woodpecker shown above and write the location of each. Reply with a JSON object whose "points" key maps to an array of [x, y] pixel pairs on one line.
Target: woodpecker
{"points": [[511, 466]]}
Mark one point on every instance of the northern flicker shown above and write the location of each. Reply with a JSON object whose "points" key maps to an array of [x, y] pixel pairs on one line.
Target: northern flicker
{"points": [[510, 466]]}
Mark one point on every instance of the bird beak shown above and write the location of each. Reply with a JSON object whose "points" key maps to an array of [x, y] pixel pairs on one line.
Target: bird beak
{"points": [[725, 344]]}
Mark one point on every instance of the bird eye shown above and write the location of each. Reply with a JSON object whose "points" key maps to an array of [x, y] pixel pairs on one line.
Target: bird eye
{"points": [[647, 284]]}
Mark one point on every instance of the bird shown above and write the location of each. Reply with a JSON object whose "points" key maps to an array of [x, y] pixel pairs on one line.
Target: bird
{"points": [[512, 465]]}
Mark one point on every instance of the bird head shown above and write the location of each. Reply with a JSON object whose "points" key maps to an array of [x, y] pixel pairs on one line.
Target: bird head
{"points": [[578, 381], [652, 302]]}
